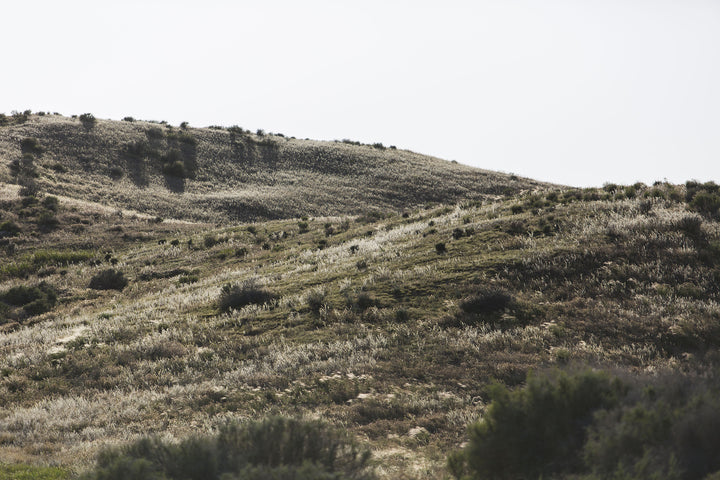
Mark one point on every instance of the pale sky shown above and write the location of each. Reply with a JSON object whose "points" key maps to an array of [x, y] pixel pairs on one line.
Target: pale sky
{"points": [[568, 91]]}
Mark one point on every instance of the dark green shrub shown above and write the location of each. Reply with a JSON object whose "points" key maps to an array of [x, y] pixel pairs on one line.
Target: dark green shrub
{"points": [[669, 428], [188, 279], [706, 203], [487, 300], [51, 203], [109, 279], [88, 120], [175, 169], [34, 300], [9, 228], [31, 145], [211, 240], [154, 133], [116, 172], [440, 247], [47, 221], [535, 431], [128, 119], [274, 448], [233, 297]]}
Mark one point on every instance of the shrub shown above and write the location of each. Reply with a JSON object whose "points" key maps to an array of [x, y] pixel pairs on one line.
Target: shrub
{"points": [[361, 302], [9, 228], [175, 169], [535, 431], [47, 220], [154, 133], [668, 429], [34, 300], [109, 279], [211, 240], [116, 172], [274, 448], [136, 149], [88, 120], [440, 247], [51, 203], [487, 300], [31, 145], [128, 119], [706, 203], [316, 299], [233, 297]]}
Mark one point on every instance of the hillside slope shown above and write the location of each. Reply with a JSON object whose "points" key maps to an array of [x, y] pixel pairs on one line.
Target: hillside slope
{"points": [[392, 327], [218, 175]]}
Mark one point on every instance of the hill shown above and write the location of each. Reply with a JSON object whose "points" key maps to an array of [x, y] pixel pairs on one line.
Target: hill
{"points": [[229, 174], [399, 325]]}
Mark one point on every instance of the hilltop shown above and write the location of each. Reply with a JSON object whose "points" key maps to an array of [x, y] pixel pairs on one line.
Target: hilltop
{"points": [[400, 323], [229, 174]]}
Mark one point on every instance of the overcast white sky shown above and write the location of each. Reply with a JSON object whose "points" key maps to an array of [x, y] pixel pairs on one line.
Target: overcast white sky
{"points": [[569, 91]]}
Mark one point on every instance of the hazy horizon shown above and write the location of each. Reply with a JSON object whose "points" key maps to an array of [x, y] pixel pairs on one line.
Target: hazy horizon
{"points": [[576, 93]]}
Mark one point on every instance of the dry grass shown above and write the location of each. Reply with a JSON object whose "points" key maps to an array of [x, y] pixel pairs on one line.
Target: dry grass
{"points": [[238, 177], [366, 330]]}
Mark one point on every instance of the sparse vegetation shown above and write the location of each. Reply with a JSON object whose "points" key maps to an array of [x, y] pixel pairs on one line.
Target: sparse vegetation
{"points": [[375, 331]]}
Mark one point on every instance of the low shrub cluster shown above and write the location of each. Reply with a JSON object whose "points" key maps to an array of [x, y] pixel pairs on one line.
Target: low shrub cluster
{"points": [[591, 425], [233, 296], [703, 198], [31, 145], [31, 301], [487, 300], [88, 120], [274, 448], [109, 279]]}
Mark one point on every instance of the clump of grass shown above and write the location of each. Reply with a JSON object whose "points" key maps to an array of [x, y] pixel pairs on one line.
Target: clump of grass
{"points": [[234, 296], [316, 299]]}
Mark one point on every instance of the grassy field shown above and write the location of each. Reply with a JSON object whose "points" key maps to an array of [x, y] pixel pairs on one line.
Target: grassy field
{"points": [[229, 174], [390, 324]]}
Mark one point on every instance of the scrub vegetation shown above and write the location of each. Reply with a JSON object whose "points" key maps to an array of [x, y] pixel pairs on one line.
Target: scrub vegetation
{"points": [[558, 332]]}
